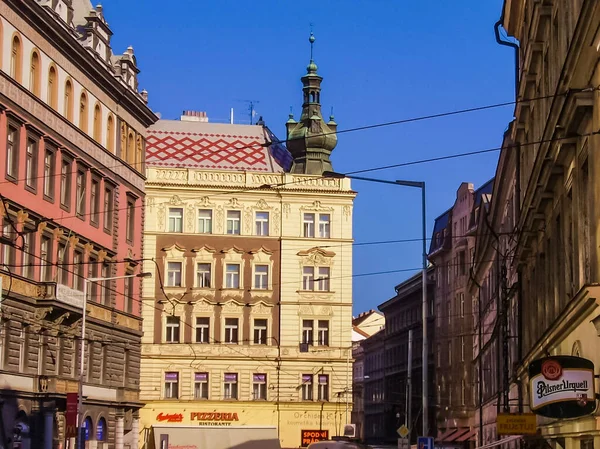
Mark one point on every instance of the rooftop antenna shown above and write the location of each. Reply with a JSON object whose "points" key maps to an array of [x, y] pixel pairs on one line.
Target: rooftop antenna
{"points": [[251, 108]]}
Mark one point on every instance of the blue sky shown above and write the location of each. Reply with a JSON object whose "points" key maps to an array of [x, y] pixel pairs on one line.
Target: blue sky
{"points": [[382, 60]]}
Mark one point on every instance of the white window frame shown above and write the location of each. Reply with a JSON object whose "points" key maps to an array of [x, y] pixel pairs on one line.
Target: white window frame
{"points": [[206, 330], [263, 331], [307, 387], [201, 387], [175, 222], [202, 281], [308, 225], [234, 217], [323, 387], [171, 281], [324, 226], [259, 387], [324, 277], [230, 277], [229, 329], [261, 280], [172, 329], [261, 223], [323, 332], [204, 223], [171, 388], [308, 332], [308, 278], [233, 387]]}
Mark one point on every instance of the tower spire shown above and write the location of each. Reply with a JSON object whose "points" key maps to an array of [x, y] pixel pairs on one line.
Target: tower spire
{"points": [[311, 140]]}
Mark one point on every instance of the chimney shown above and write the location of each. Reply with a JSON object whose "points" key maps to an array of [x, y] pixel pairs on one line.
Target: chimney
{"points": [[194, 116]]}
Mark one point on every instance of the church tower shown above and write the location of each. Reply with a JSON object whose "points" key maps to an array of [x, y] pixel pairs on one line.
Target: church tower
{"points": [[311, 140]]}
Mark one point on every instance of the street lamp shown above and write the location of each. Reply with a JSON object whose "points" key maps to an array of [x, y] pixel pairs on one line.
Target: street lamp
{"points": [[419, 185], [86, 281]]}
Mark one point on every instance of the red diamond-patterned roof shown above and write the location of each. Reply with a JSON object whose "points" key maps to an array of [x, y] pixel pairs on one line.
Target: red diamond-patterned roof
{"points": [[174, 143]]}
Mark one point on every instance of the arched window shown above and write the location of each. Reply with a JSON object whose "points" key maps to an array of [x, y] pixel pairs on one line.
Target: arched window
{"points": [[97, 123], [130, 149], [101, 430], [16, 59], [52, 87], [68, 112], [83, 113], [88, 429], [34, 73], [110, 129]]}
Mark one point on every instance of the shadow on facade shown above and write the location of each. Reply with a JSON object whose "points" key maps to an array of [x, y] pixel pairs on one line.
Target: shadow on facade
{"points": [[258, 444]]}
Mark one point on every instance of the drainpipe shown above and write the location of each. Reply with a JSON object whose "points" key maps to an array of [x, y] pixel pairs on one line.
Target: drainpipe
{"points": [[508, 44]]}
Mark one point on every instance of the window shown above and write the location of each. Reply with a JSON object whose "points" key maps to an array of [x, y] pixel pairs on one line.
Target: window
{"points": [[175, 219], [262, 223], [323, 280], [65, 184], [16, 60], [171, 385], [230, 386], [8, 251], [462, 349], [259, 386], [260, 332], [29, 259], [324, 226], [46, 259], [93, 273], [83, 113], [323, 335], [174, 274], [308, 278], [52, 88], [97, 123], [204, 221], [31, 164], [438, 350], [49, 166], [463, 390], [307, 387], [323, 387], [34, 73], [308, 223], [261, 277], [130, 219], [461, 299], [449, 353], [12, 152], [80, 189], [202, 330], [104, 289], [63, 264], [110, 141], [130, 154], [78, 277], [462, 263], [232, 275], [128, 294], [203, 275], [68, 106], [94, 201], [200, 385], [108, 207], [172, 331], [231, 330], [307, 332], [126, 359], [233, 222]]}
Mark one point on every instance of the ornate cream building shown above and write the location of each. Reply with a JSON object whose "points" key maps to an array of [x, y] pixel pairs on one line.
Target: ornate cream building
{"points": [[247, 320]]}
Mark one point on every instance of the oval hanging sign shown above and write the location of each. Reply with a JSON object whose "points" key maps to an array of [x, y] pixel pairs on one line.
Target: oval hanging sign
{"points": [[562, 387]]}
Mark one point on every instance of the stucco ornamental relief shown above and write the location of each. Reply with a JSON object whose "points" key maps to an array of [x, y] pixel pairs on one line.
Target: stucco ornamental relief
{"points": [[347, 211], [219, 220], [231, 307], [204, 202], [161, 217], [174, 252], [175, 201], [317, 206], [305, 310], [190, 216], [287, 209], [326, 311], [202, 306], [150, 203], [261, 309]]}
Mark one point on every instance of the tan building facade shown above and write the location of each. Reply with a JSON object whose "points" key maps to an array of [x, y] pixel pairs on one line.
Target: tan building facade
{"points": [[247, 321]]}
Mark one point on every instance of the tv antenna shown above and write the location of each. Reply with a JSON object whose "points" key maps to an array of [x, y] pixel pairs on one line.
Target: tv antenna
{"points": [[251, 108]]}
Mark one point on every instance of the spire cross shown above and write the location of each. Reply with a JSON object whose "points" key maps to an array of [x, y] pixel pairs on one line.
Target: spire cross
{"points": [[311, 39]]}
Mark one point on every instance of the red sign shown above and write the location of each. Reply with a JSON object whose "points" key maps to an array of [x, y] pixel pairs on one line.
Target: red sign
{"points": [[551, 369], [71, 415], [312, 436], [169, 417], [201, 416]]}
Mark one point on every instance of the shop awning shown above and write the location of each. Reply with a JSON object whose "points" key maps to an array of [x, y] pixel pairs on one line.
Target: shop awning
{"points": [[469, 436], [209, 437], [502, 441]]}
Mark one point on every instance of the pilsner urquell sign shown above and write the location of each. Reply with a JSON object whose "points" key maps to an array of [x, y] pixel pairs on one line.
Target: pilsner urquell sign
{"points": [[562, 387]]}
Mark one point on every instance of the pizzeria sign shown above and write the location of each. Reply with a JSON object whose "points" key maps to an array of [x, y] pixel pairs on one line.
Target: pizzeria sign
{"points": [[562, 387]]}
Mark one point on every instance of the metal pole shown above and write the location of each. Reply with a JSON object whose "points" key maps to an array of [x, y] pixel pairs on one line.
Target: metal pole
{"points": [[347, 381], [408, 415], [425, 362], [80, 443]]}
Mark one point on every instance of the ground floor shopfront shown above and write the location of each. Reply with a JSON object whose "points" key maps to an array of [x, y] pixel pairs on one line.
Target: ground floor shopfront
{"points": [[294, 423]]}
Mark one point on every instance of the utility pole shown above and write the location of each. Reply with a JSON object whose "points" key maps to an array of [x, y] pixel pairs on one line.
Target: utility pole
{"points": [[408, 415]]}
